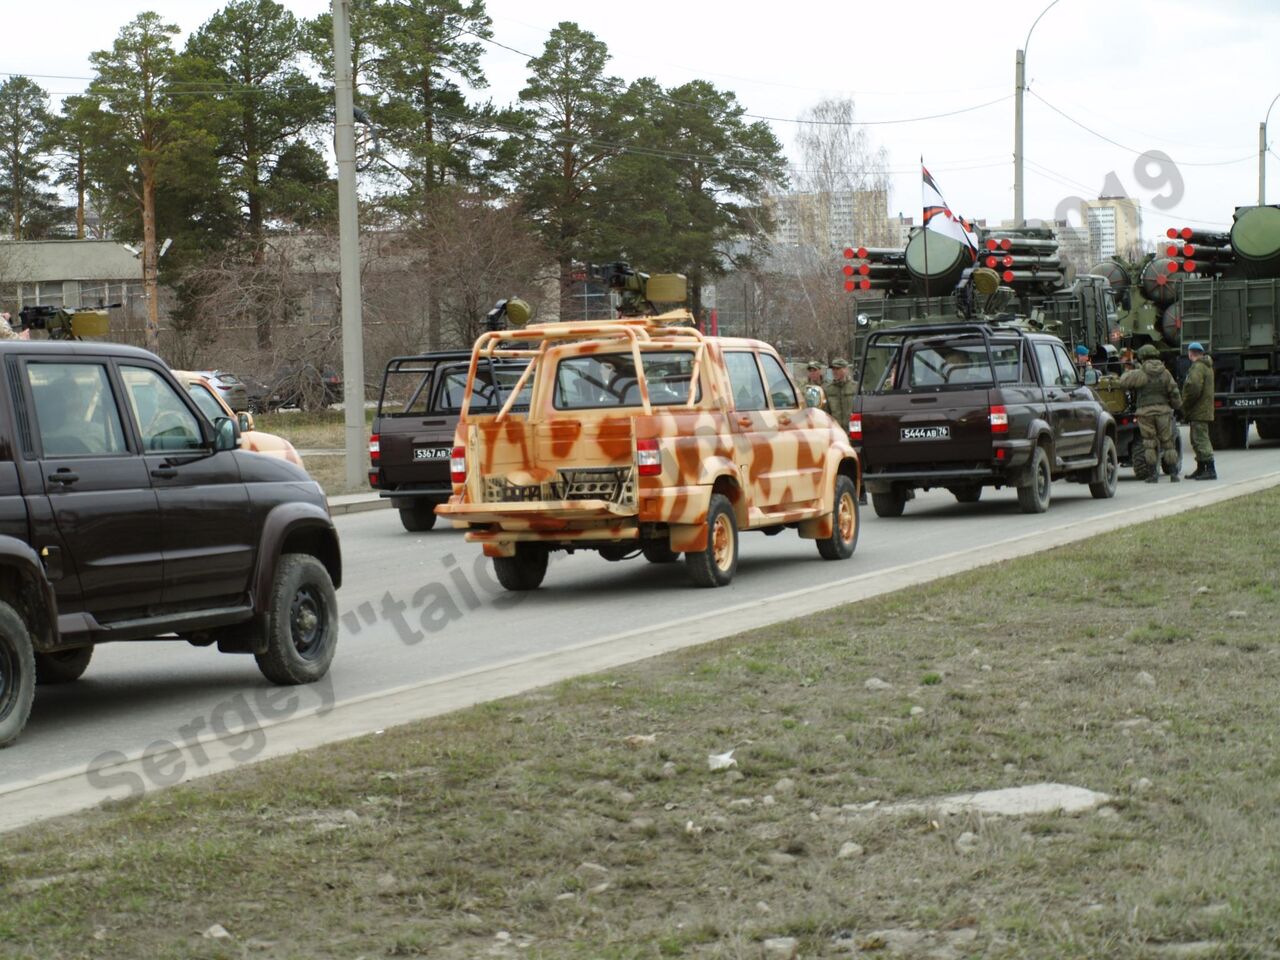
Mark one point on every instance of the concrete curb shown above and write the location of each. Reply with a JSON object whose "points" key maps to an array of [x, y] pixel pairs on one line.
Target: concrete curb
{"points": [[68, 791], [356, 503]]}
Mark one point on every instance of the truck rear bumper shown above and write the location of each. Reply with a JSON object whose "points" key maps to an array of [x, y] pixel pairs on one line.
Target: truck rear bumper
{"points": [[547, 515], [1248, 404], [1009, 458]]}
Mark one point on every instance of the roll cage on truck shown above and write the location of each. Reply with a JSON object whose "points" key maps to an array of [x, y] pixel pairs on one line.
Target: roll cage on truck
{"points": [[642, 435]]}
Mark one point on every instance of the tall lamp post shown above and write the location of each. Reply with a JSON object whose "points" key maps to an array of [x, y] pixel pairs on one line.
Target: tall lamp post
{"points": [[1262, 154], [348, 246], [1020, 85]]}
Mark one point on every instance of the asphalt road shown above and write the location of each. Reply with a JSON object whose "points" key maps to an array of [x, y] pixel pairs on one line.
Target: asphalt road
{"points": [[423, 606]]}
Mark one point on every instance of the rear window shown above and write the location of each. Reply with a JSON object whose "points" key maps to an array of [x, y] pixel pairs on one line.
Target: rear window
{"points": [[603, 380], [492, 387], [416, 389], [944, 364]]}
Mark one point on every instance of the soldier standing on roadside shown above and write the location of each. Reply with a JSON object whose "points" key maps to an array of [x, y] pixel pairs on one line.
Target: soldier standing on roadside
{"points": [[1157, 398], [1197, 399], [814, 395], [840, 392]]}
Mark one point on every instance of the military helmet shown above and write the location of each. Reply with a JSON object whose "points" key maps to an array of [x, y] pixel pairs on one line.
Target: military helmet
{"points": [[1148, 352]]}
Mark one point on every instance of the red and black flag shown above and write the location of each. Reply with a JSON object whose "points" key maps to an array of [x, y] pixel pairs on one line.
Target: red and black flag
{"points": [[939, 218]]}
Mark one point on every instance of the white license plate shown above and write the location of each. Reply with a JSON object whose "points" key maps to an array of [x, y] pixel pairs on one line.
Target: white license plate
{"points": [[1249, 401], [926, 433], [431, 453]]}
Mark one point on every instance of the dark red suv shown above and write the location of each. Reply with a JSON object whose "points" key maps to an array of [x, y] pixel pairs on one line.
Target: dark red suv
{"points": [[126, 515]]}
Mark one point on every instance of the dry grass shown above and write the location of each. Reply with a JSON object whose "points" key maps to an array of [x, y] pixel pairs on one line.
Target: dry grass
{"points": [[531, 818], [308, 431]]}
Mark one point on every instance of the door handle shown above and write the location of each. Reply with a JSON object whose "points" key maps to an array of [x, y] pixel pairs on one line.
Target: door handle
{"points": [[744, 421], [784, 420], [165, 472], [64, 476]]}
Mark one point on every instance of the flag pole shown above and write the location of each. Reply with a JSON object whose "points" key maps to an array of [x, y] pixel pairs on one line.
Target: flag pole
{"points": [[924, 236]]}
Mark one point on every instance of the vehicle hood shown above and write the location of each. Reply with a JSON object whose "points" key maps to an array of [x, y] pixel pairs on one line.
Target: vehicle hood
{"points": [[260, 468], [270, 445]]}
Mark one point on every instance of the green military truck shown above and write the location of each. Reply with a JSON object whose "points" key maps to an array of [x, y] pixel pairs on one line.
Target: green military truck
{"points": [[1231, 304]]}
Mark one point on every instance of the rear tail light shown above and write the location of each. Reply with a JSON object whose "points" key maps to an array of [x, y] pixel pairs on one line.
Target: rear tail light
{"points": [[855, 427], [458, 465], [648, 458], [374, 478], [999, 419], [375, 449]]}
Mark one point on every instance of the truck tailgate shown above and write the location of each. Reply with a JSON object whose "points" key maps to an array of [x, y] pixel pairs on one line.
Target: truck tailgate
{"points": [[914, 429], [415, 449]]}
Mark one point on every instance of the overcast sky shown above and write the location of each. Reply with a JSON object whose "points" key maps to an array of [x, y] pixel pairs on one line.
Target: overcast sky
{"points": [[1191, 78]]}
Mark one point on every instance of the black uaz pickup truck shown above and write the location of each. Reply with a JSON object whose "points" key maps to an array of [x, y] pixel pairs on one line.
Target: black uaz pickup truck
{"points": [[965, 406], [412, 436]]}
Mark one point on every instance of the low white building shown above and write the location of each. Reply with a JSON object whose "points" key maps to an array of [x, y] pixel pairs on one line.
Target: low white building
{"points": [[68, 273]]}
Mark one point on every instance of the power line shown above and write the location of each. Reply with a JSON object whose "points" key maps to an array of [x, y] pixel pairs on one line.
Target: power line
{"points": [[1116, 143], [796, 120]]}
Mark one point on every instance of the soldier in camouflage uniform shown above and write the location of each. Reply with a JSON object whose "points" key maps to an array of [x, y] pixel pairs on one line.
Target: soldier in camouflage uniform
{"points": [[1157, 398], [840, 392], [814, 395], [1197, 399]]}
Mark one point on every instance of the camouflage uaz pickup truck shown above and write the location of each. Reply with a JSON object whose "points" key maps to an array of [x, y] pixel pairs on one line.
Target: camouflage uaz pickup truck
{"points": [[643, 436]]}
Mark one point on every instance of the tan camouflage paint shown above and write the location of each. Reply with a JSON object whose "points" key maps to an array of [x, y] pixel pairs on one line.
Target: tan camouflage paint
{"points": [[775, 465], [255, 441]]}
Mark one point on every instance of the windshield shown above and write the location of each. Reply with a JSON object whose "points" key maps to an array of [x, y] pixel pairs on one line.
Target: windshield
{"points": [[422, 387], [205, 401], [934, 364], [604, 380]]}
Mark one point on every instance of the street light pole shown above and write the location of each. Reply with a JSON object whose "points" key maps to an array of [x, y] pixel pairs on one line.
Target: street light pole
{"points": [[1020, 79], [1019, 86], [1262, 154], [348, 246]]}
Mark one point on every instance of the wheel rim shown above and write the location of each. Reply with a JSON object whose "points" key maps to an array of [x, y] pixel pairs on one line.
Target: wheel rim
{"points": [[8, 679], [847, 522], [1042, 481], [1113, 467], [307, 622], [722, 542]]}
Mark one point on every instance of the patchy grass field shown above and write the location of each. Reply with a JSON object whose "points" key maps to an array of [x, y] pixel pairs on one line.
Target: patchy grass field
{"points": [[331, 473], [529, 828], [323, 430]]}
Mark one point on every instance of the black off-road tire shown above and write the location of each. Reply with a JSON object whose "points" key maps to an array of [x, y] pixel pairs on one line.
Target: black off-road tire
{"points": [[1268, 429], [418, 518], [889, 504], [967, 494], [302, 622], [17, 674], [1138, 460], [1177, 446], [1034, 495], [1105, 488], [63, 666], [716, 565], [845, 523], [1229, 433], [658, 551], [525, 570]]}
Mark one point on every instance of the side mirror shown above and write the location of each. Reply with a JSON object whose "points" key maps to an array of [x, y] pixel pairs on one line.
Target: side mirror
{"points": [[226, 434], [246, 422]]}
